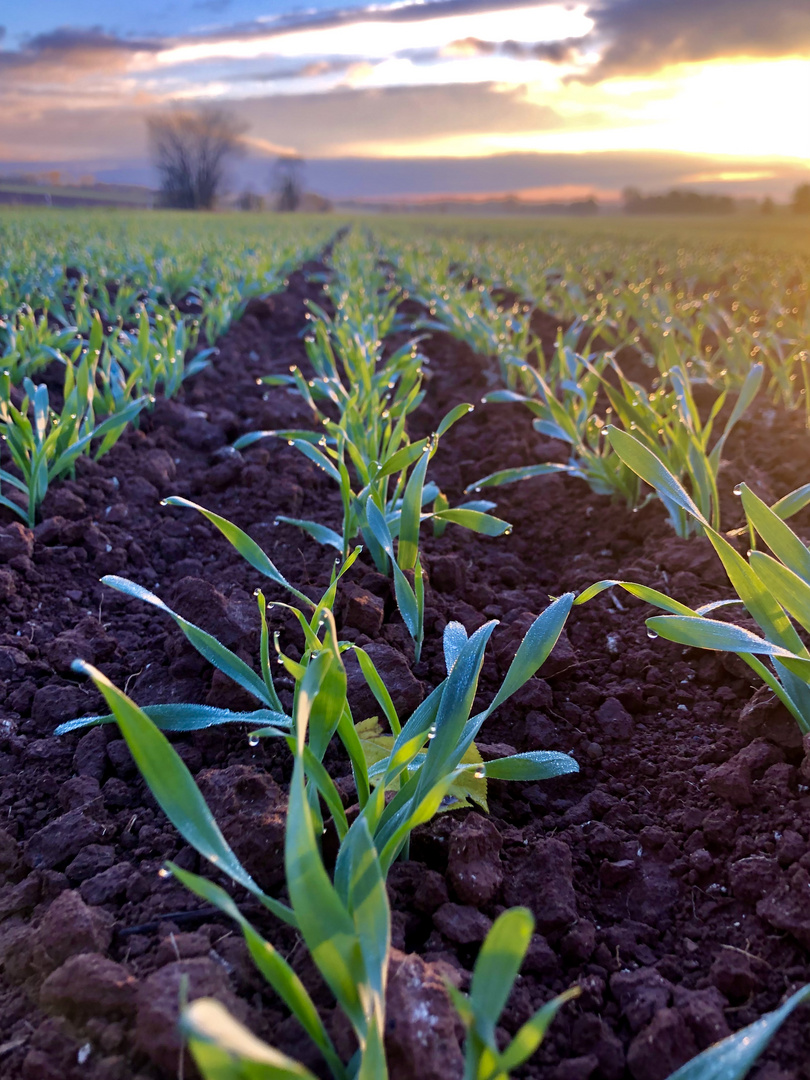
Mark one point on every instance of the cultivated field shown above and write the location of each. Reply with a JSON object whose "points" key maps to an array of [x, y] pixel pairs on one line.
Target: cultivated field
{"points": [[404, 660]]}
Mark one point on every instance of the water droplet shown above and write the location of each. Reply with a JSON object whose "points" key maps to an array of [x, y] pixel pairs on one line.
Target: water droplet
{"points": [[163, 872], [432, 732], [479, 774], [738, 489], [651, 634], [164, 502], [253, 740]]}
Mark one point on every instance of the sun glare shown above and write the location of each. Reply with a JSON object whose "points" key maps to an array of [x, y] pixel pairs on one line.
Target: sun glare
{"points": [[746, 109]]}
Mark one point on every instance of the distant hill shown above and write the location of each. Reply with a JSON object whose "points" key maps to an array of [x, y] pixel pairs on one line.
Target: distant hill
{"points": [[25, 191]]}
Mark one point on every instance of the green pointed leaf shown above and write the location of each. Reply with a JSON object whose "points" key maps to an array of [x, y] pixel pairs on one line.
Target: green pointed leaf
{"points": [[378, 689], [733, 1057], [272, 965], [411, 515], [723, 637], [475, 521], [533, 765], [325, 924], [205, 644], [224, 1049], [402, 459], [454, 640], [509, 476], [185, 717], [247, 548], [454, 710], [779, 537], [643, 592], [368, 903], [532, 1033], [322, 533], [453, 417], [533, 651], [174, 788], [790, 590], [497, 967], [792, 503], [652, 471]]}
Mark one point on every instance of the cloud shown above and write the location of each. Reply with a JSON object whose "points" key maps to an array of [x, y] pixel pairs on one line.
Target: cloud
{"points": [[540, 175], [404, 12], [642, 36], [316, 125], [320, 124], [383, 32], [638, 37], [312, 69], [69, 51], [610, 171], [69, 39]]}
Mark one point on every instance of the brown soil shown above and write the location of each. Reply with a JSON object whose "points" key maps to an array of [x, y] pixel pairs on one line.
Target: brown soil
{"points": [[669, 878]]}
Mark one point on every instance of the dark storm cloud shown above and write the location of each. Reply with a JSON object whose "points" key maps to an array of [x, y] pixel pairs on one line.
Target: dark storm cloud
{"points": [[641, 36]]}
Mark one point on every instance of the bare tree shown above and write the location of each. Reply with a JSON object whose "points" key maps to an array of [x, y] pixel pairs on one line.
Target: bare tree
{"points": [[191, 150], [288, 183]]}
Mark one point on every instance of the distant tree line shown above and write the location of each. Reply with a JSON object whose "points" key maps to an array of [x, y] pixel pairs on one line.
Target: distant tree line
{"points": [[693, 202], [676, 202]]}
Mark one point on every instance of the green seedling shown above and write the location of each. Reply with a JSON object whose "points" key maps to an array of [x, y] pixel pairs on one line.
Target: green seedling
{"points": [[46, 445], [345, 923], [774, 588]]}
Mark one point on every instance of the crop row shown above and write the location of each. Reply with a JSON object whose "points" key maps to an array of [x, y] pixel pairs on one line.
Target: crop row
{"points": [[108, 331], [360, 396]]}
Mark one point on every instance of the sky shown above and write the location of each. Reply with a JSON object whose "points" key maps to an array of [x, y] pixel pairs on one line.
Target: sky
{"points": [[556, 100]]}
